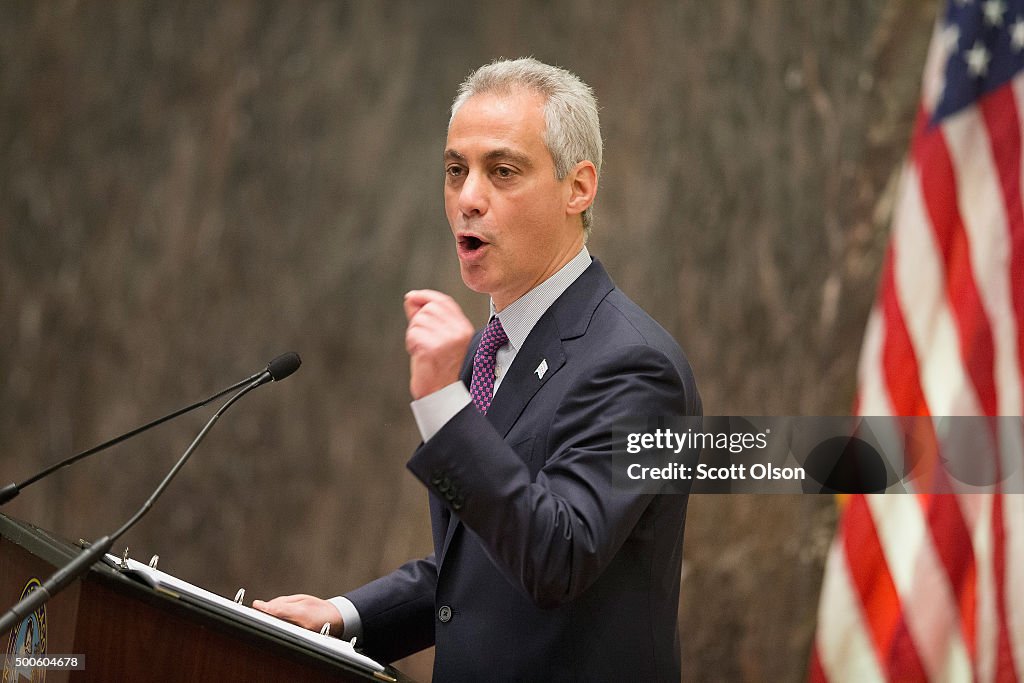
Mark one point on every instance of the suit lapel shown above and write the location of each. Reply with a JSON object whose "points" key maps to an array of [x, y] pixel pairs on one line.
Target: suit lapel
{"points": [[540, 358], [567, 318]]}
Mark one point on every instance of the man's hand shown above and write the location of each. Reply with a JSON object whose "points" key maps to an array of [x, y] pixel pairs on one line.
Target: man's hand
{"points": [[305, 611], [437, 338]]}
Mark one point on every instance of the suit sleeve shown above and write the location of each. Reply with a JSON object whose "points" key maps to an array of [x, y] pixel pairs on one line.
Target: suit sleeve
{"points": [[553, 536], [397, 610]]}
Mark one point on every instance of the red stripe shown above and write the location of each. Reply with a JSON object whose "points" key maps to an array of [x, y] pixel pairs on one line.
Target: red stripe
{"points": [[816, 672], [903, 664], [877, 592], [999, 110], [1006, 670], [1003, 122], [938, 188], [952, 542], [898, 358]]}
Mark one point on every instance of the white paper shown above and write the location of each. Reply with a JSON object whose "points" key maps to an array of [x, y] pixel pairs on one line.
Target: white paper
{"points": [[340, 648]]}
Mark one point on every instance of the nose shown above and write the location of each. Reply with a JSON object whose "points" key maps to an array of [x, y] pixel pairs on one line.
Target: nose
{"points": [[473, 195]]}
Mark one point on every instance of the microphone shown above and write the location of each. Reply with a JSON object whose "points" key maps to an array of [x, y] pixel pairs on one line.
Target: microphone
{"points": [[283, 365], [276, 370]]}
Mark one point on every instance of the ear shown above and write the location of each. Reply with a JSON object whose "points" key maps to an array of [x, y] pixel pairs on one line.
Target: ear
{"points": [[582, 187]]}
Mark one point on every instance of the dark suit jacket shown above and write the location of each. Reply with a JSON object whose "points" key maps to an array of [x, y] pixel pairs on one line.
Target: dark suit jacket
{"points": [[541, 570]]}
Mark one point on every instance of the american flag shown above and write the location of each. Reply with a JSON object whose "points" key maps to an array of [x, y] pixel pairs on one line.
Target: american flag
{"points": [[930, 587]]}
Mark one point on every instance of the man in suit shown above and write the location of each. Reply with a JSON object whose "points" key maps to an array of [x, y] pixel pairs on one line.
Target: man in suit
{"points": [[542, 570]]}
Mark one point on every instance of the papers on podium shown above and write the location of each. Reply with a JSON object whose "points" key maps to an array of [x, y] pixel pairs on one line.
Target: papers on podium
{"points": [[177, 588]]}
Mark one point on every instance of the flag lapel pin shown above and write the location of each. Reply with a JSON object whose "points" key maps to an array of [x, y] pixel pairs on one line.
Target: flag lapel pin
{"points": [[542, 368]]}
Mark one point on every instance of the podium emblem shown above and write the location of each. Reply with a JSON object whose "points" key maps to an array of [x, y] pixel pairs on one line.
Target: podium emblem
{"points": [[27, 639]]}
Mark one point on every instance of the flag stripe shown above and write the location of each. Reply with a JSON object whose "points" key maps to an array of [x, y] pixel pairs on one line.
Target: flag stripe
{"points": [[1012, 594], [873, 582], [996, 250], [847, 648], [898, 358], [938, 184], [977, 512], [1017, 253], [916, 571], [952, 542], [1006, 670], [1013, 598], [871, 396], [916, 314]]}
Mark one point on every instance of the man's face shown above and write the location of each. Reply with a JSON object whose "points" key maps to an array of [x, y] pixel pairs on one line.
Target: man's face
{"points": [[506, 209]]}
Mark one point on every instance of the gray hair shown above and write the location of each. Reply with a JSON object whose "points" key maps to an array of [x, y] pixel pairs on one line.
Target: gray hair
{"points": [[572, 129]]}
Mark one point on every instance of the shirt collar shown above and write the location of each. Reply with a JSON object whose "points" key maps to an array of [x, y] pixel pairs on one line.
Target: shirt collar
{"points": [[520, 316]]}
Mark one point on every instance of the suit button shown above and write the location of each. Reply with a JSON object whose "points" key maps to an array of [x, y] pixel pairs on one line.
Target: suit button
{"points": [[444, 614], [445, 484]]}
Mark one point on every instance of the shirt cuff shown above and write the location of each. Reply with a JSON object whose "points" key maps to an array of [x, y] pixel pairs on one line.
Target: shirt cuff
{"points": [[434, 410], [349, 617]]}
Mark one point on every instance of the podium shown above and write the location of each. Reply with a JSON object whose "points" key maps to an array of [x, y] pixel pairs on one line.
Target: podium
{"points": [[129, 631]]}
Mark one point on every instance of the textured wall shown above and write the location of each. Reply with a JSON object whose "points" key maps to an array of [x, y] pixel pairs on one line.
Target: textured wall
{"points": [[189, 188]]}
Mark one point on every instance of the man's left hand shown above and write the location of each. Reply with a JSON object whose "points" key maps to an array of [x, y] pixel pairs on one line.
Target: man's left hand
{"points": [[436, 338]]}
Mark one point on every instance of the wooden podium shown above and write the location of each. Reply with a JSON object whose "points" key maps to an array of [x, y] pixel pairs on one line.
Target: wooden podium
{"points": [[127, 631]]}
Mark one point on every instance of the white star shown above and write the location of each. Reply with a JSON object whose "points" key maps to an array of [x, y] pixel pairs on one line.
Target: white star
{"points": [[977, 59], [994, 11], [950, 37], [1017, 35]]}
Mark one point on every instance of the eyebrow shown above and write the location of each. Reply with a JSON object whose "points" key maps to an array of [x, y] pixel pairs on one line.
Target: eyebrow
{"points": [[499, 154]]}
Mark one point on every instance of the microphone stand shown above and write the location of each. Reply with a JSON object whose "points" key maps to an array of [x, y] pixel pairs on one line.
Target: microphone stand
{"points": [[276, 370], [11, 490], [78, 566]]}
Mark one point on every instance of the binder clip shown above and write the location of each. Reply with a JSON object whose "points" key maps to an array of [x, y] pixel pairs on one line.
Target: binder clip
{"points": [[239, 596]]}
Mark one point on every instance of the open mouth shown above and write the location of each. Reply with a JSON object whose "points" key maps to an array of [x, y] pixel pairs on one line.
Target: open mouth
{"points": [[470, 243]]}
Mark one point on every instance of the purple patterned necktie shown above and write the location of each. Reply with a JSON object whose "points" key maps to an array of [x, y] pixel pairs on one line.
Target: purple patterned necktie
{"points": [[481, 389]]}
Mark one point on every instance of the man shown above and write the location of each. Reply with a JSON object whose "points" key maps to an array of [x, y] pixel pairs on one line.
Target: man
{"points": [[542, 570]]}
